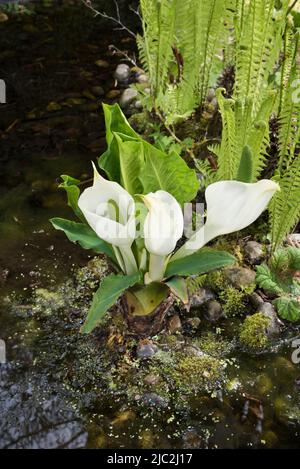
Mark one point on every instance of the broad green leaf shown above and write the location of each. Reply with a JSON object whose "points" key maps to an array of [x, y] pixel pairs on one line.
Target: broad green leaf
{"points": [[115, 121], [141, 167], [131, 161], [267, 280], [288, 308], [111, 288], [143, 300], [169, 173], [200, 262], [178, 286], [71, 187], [83, 235], [109, 161]]}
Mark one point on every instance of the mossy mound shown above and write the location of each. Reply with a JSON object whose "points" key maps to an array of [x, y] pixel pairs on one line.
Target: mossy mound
{"points": [[253, 331]]}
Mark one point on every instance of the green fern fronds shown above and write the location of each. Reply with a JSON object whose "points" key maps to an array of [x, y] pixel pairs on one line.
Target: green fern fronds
{"points": [[258, 45], [179, 50], [195, 283], [285, 206]]}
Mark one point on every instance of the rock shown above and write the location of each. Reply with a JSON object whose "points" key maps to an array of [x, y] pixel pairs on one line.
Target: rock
{"points": [[152, 379], [211, 94], [214, 311], [152, 399], [192, 440], [202, 296], [128, 97], [256, 300], [253, 252], [240, 276], [174, 324], [142, 78], [98, 91], [4, 273], [194, 323], [138, 105], [113, 94], [293, 240], [102, 63], [146, 350], [274, 325], [122, 73], [193, 350], [3, 17]]}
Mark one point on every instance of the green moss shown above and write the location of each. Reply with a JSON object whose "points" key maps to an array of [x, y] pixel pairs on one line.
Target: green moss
{"points": [[194, 374], [213, 345], [253, 331], [233, 301]]}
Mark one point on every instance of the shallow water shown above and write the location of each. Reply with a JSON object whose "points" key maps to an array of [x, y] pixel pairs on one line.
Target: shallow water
{"points": [[43, 401]]}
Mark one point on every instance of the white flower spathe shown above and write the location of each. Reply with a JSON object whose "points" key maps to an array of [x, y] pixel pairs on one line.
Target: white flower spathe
{"points": [[231, 206], [109, 210], [163, 225]]}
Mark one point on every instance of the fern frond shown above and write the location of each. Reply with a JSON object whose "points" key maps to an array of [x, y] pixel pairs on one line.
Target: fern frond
{"points": [[195, 283], [258, 48], [285, 206]]}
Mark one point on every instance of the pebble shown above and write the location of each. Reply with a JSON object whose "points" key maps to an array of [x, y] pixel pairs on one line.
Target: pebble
{"points": [[122, 73], [152, 399], [253, 252], [274, 325], [128, 96], [113, 94], [240, 276], [174, 324], [98, 91], [214, 311], [102, 63], [202, 296], [146, 350]]}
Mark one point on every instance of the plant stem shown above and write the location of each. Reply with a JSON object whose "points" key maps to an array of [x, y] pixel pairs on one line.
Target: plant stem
{"points": [[129, 259], [157, 267]]}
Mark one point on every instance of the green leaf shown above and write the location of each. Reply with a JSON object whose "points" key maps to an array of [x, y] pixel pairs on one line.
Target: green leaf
{"points": [[71, 187], [83, 235], [245, 171], [266, 279], [178, 286], [115, 121], [105, 297], [144, 300], [169, 173], [131, 160], [201, 262], [288, 308], [110, 160]]}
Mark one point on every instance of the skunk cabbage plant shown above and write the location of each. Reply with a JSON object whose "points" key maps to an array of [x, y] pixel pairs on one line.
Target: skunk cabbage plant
{"points": [[135, 217]]}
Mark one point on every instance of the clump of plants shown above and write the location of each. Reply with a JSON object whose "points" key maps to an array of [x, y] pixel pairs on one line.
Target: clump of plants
{"points": [[135, 217], [253, 333], [279, 278]]}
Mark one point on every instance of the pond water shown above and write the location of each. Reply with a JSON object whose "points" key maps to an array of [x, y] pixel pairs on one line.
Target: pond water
{"points": [[52, 390]]}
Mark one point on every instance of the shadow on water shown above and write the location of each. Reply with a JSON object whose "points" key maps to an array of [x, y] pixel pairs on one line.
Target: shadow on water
{"points": [[52, 124]]}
